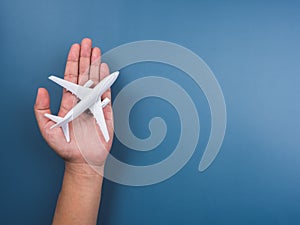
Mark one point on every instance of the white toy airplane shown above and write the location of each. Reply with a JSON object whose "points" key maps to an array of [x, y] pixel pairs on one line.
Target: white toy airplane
{"points": [[90, 98]]}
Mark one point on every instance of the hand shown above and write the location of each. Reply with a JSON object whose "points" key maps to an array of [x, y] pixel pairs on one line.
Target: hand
{"points": [[87, 145]]}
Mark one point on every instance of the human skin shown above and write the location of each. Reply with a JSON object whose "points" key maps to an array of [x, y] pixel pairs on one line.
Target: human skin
{"points": [[79, 198]]}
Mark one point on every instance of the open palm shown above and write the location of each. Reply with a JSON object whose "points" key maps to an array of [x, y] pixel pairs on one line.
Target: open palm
{"points": [[87, 143]]}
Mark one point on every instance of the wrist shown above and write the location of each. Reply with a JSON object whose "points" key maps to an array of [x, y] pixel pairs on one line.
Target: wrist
{"points": [[80, 195], [84, 170]]}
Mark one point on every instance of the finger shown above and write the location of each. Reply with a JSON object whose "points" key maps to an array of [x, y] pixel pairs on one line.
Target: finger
{"points": [[71, 74], [84, 61], [95, 65], [104, 71], [42, 106]]}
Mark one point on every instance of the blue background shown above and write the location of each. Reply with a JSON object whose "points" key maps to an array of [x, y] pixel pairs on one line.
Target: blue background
{"points": [[253, 49]]}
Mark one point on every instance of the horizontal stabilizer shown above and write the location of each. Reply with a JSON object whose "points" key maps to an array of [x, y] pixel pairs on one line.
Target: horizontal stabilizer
{"points": [[63, 123], [56, 119]]}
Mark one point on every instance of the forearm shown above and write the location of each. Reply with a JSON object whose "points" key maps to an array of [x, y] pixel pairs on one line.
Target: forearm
{"points": [[79, 199]]}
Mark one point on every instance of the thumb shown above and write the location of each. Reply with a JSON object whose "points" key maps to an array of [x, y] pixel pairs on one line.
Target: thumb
{"points": [[42, 106]]}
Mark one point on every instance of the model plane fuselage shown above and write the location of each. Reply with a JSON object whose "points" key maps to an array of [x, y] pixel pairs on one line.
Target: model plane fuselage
{"points": [[90, 98]]}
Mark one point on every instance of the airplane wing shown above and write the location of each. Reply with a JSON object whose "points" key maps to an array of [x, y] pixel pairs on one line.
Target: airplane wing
{"points": [[79, 91], [97, 111]]}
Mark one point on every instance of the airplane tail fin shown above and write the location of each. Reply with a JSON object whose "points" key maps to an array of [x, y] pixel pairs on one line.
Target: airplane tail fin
{"points": [[61, 123]]}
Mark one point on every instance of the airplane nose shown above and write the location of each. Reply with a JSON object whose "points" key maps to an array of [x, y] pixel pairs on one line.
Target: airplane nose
{"points": [[115, 75]]}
